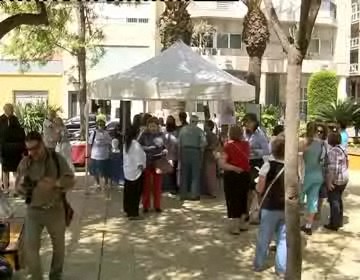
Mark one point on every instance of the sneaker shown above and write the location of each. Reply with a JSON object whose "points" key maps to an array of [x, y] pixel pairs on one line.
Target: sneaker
{"points": [[331, 227], [158, 210], [234, 226], [243, 224], [307, 231]]}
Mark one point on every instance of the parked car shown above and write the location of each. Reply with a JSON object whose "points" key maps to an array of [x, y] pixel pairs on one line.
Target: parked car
{"points": [[110, 127], [73, 124]]}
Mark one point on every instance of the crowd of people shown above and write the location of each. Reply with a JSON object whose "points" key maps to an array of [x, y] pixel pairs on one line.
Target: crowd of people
{"points": [[252, 169], [185, 160]]}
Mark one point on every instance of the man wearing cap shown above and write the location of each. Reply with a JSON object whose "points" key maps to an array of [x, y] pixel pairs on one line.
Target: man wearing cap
{"points": [[192, 142]]}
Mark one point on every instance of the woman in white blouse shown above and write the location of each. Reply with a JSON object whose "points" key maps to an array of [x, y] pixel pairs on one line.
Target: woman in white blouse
{"points": [[134, 164]]}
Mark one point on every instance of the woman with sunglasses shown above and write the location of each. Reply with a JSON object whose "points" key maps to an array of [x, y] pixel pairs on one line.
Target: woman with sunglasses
{"points": [[321, 134], [312, 149]]}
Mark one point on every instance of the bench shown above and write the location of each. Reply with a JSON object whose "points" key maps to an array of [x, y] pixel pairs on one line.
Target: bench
{"points": [[14, 251]]}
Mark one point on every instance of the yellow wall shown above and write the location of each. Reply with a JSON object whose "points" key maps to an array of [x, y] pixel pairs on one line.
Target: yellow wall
{"points": [[53, 84]]}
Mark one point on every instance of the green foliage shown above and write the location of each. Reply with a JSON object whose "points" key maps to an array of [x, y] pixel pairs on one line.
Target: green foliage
{"points": [[32, 115], [240, 111], [40, 43], [339, 112], [270, 115], [202, 34], [322, 90], [175, 23]]}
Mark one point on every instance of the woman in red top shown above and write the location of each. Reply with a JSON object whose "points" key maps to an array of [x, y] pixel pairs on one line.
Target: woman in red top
{"points": [[235, 162]]}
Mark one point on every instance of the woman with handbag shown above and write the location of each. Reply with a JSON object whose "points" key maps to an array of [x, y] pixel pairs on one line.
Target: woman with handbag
{"points": [[259, 149], [272, 206], [337, 178], [153, 143], [235, 163]]}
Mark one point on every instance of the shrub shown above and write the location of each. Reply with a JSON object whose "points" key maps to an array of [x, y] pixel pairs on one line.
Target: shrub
{"points": [[32, 115], [270, 116], [322, 88]]}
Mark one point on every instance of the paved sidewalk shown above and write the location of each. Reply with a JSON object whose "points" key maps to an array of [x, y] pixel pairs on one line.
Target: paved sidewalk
{"points": [[189, 242]]}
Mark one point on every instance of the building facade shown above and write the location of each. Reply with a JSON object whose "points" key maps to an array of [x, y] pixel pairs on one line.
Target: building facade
{"points": [[130, 37], [354, 79], [329, 47], [37, 84]]}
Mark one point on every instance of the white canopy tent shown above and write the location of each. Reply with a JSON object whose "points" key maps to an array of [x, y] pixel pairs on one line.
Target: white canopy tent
{"points": [[178, 73]]}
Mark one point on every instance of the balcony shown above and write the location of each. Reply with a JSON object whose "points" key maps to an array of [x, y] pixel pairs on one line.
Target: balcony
{"points": [[355, 13], [354, 68], [354, 43]]}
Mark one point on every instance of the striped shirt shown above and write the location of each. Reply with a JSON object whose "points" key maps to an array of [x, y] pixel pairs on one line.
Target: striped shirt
{"points": [[337, 165]]}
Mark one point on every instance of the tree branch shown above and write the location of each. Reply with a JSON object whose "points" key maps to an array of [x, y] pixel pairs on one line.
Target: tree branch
{"points": [[308, 14], [275, 23], [14, 21]]}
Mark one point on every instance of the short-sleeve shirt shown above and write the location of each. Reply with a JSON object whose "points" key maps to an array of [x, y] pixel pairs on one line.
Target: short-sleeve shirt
{"points": [[238, 154], [100, 140]]}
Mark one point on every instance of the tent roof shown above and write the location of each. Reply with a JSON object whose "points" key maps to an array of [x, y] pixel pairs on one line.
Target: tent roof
{"points": [[178, 73]]}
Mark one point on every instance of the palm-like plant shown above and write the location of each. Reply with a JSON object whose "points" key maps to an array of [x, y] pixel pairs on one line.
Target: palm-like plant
{"points": [[32, 115], [339, 112], [175, 23], [255, 36]]}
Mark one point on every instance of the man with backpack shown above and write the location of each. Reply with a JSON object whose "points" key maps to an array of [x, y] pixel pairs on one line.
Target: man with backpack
{"points": [[43, 178]]}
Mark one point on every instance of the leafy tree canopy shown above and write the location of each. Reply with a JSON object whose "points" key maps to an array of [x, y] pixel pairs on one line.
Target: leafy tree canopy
{"points": [[40, 43]]}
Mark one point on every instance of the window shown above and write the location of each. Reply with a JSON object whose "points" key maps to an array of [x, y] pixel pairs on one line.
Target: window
{"points": [[228, 41], [314, 46], [303, 103], [131, 20], [143, 20], [222, 41], [73, 103], [24, 97]]}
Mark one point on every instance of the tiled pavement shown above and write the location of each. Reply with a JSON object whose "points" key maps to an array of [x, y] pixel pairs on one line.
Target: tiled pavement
{"points": [[188, 242]]}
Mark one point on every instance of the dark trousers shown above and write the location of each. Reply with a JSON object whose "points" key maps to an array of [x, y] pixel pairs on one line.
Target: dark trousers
{"points": [[132, 195], [336, 206], [236, 188]]}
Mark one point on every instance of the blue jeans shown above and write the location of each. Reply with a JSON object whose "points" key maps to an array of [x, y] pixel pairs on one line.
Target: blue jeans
{"points": [[336, 206], [272, 222]]}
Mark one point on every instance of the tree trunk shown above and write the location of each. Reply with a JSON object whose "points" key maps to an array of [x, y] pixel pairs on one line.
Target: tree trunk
{"points": [[292, 203], [81, 60], [254, 75]]}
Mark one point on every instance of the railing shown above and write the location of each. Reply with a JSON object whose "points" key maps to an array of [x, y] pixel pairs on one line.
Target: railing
{"points": [[355, 17], [206, 51], [354, 68], [354, 43]]}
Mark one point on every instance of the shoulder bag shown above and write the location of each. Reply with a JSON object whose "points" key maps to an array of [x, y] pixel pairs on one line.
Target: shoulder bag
{"points": [[256, 204]]}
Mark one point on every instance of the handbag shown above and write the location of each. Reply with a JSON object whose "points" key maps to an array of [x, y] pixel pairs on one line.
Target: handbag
{"points": [[4, 235], [162, 166], [69, 211], [256, 203]]}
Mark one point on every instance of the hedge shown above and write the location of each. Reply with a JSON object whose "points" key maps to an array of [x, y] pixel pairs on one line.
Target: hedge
{"points": [[322, 89]]}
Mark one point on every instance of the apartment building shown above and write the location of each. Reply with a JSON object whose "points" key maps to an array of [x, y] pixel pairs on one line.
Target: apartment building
{"points": [[354, 79], [329, 47]]}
